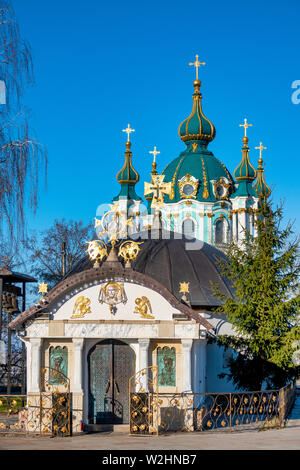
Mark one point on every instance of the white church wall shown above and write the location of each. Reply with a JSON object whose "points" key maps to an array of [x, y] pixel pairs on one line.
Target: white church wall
{"points": [[161, 309]]}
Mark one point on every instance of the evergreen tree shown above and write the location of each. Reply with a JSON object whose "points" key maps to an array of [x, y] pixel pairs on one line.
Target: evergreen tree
{"points": [[265, 311]]}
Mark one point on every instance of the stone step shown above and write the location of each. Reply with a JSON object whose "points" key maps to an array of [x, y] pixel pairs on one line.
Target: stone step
{"points": [[120, 428]]}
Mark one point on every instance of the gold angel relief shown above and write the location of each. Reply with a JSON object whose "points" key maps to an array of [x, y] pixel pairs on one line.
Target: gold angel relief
{"points": [[143, 307], [81, 307]]}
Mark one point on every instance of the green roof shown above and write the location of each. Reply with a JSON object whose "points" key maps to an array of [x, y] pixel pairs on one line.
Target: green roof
{"points": [[200, 163]]}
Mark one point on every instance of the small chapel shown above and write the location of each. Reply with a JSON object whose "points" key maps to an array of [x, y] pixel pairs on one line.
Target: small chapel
{"points": [[141, 297]]}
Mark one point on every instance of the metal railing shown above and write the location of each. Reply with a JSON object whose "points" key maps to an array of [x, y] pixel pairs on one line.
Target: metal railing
{"points": [[47, 412], [153, 412]]}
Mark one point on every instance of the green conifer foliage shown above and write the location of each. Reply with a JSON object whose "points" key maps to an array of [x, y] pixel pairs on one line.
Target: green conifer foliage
{"points": [[265, 312]]}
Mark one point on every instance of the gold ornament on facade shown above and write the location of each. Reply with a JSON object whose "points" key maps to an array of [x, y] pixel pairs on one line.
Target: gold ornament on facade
{"points": [[113, 226], [219, 186], [188, 186], [174, 179], [43, 289], [129, 251], [205, 192], [97, 251], [112, 294], [81, 307], [143, 307]]}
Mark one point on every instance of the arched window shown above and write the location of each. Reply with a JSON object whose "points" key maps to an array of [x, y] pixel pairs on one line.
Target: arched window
{"points": [[166, 363], [189, 228], [58, 363], [219, 231]]}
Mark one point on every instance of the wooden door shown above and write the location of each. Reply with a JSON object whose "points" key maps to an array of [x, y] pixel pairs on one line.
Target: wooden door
{"points": [[111, 364]]}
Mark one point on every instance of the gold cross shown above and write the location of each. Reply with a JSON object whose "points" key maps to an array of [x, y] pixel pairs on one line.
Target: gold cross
{"points": [[245, 126], [197, 65], [128, 131], [154, 152], [159, 189], [260, 148]]}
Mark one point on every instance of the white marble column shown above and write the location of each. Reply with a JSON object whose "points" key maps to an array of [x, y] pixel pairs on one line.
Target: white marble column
{"points": [[234, 232], [187, 364], [77, 376], [35, 344], [254, 225], [144, 351], [202, 364], [242, 224], [209, 228]]}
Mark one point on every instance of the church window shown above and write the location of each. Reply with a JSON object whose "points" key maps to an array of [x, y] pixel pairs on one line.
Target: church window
{"points": [[188, 228], [166, 362], [58, 363], [188, 189], [219, 231]]}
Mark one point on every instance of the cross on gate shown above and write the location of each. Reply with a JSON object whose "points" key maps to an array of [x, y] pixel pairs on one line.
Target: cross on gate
{"points": [[159, 189]]}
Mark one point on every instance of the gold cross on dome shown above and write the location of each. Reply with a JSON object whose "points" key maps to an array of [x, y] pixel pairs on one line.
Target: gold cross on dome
{"points": [[197, 64], [128, 131], [245, 126], [159, 189], [154, 152], [260, 148]]}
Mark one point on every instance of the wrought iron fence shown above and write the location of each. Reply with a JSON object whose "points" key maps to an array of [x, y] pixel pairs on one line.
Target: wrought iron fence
{"points": [[47, 412], [153, 412]]}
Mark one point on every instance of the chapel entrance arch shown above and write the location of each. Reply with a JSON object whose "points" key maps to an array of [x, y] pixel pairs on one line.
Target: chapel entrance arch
{"points": [[111, 363]]}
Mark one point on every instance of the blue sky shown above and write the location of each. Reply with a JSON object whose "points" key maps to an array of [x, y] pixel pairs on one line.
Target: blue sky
{"points": [[101, 65]]}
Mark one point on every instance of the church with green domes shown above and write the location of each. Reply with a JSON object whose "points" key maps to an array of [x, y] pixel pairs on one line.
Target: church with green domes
{"points": [[203, 200]]}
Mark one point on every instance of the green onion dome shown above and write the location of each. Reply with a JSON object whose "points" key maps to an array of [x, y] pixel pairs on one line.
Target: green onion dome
{"points": [[260, 186], [128, 174], [245, 171], [197, 127], [128, 177]]}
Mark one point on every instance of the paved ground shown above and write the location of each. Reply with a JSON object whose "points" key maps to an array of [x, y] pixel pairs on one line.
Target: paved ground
{"points": [[287, 438]]}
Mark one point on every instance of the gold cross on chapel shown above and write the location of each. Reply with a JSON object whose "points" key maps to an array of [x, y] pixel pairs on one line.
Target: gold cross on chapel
{"points": [[245, 126], [154, 153], [197, 64], [159, 189], [260, 148], [128, 131]]}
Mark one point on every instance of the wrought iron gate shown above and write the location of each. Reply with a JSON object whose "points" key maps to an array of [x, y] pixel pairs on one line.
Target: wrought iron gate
{"points": [[144, 402]]}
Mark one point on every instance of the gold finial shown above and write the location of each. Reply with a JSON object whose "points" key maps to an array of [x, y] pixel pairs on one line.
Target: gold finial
{"points": [[245, 126], [43, 289], [184, 287], [128, 131], [197, 64], [260, 148]]}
